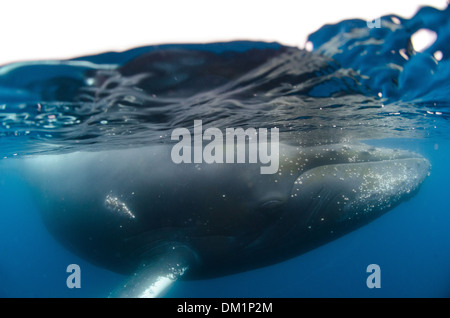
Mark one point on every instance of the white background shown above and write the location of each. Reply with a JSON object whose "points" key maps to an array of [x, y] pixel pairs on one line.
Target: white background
{"points": [[48, 29]]}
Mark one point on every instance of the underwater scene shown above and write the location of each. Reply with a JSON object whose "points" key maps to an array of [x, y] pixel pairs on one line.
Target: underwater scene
{"points": [[232, 169]]}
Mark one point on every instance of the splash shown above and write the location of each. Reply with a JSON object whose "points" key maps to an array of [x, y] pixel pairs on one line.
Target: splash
{"points": [[359, 81], [390, 57]]}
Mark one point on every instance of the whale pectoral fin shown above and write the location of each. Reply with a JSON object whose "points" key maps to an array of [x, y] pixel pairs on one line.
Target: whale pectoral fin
{"points": [[154, 277]]}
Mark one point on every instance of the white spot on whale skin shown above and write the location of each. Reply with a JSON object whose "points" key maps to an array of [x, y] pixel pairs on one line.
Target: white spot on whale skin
{"points": [[115, 205]]}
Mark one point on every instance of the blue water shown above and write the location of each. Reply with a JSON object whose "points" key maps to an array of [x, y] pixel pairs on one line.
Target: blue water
{"points": [[353, 85]]}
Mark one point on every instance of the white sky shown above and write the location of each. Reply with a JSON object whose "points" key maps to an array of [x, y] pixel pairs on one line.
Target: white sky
{"points": [[51, 29]]}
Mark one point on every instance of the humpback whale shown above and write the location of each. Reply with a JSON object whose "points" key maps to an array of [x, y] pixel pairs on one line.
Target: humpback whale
{"points": [[136, 212]]}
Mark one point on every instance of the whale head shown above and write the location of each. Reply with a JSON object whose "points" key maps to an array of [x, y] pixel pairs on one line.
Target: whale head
{"points": [[335, 189]]}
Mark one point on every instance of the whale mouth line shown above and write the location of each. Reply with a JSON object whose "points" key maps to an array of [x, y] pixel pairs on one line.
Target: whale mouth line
{"points": [[363, 154], [393, 160], [414, 161]]}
